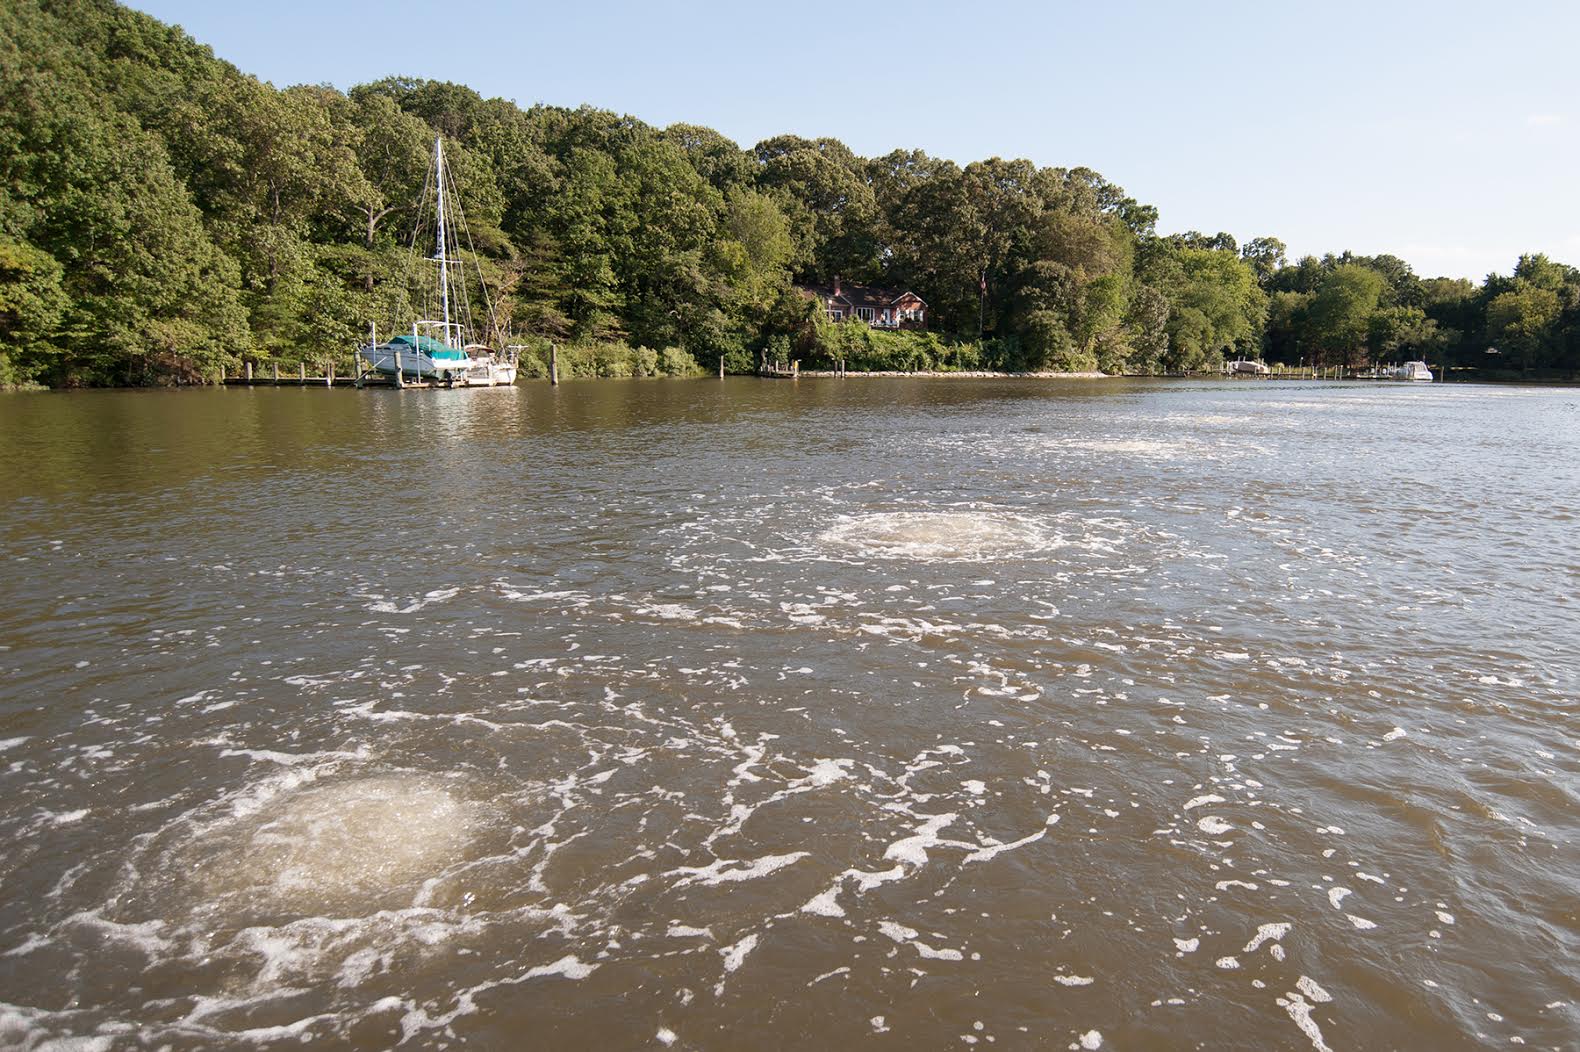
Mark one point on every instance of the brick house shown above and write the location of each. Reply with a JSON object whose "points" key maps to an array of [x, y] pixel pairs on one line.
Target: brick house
{"points": [[879, 308]]}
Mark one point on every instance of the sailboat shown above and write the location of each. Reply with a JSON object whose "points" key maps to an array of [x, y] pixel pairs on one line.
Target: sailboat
{"points": [[443, 349]]}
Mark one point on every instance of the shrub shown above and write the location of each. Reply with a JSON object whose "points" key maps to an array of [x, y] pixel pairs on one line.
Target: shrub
{"points": [[676, 361], [609, 360], [865, 349], [644, 362]]}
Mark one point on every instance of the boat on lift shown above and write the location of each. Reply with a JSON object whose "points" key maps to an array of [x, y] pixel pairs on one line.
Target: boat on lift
{"points": [[420, 357], [1416, 371], [441, 349]]}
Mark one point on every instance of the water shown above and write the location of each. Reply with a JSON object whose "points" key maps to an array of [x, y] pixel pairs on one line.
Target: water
{"points": [[792, 715]]}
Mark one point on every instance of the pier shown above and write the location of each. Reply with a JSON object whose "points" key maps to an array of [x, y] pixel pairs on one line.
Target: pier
{"points": [[359, 378]]}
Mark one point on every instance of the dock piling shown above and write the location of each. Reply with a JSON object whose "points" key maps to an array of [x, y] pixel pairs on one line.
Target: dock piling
{"points": [[554, 364]]}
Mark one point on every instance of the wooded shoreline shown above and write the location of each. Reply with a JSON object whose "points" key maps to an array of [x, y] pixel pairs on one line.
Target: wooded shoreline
{"points": [[346, 381], [164, 215]]}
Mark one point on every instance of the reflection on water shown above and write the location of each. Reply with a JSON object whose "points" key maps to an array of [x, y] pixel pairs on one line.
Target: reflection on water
{"points": [[1110, 714]]}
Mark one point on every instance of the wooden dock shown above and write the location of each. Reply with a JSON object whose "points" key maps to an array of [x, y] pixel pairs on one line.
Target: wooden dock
{"points": [[777, 371], [361, 378]]}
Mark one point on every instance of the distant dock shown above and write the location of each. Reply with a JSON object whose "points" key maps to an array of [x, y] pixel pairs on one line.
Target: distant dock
{"points": [[272, 377]]}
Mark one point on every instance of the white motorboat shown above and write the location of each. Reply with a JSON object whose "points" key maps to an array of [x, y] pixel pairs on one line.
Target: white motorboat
{"points": [[1419, 371]]}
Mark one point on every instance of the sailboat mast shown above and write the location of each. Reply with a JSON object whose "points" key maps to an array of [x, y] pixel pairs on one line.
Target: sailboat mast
{"points": [[444, 270]]}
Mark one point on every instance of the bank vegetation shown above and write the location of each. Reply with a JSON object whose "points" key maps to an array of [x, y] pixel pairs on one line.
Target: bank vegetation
{"points": [[164, 215]]}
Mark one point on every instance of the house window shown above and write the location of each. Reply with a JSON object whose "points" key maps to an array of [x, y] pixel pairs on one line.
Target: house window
{"points": [[866, 314], [835, 315]]}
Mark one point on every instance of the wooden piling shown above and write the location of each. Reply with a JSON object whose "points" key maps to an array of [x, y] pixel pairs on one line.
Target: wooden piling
{"points": [[249, 372], [554, 364], [400, 377], [301, 369], [277, 374], [329, 375], [721, 365]]}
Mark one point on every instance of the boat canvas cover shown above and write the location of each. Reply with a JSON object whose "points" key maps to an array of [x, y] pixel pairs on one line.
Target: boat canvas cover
{"points": [[434, 349]]}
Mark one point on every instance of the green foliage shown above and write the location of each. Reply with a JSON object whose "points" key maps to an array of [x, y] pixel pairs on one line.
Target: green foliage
{"points": [[864, 349], [1266, 255], [1215, 303], [148, 295], [605, 359], [32, 304], [1339, 318], [163, 214], [1524, 323], [1146, 321], [1396, 333]]}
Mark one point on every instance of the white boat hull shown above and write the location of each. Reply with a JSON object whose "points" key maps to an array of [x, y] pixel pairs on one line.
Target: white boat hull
{"points": [[463, 372], [491, 374], [1244, 368], [413, 364]]}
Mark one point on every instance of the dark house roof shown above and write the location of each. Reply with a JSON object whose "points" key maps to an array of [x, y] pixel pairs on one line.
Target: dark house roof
{"points": [[853, 296]]}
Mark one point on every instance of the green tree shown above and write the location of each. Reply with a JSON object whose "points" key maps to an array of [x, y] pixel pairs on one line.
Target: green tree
{"points": [[393, 150], [1147, 320], [1215, 304], [1339, 319], [1267, 256], [587, 220], [32, 304], [821, 187], [1524, 322], [150, 298], [1396, 332]]}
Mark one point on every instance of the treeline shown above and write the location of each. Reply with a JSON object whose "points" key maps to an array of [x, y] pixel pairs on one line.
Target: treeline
{"points": [[163, 215]]}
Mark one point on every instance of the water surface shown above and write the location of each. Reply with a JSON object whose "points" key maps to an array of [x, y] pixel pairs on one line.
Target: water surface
{"points": [[864, 713]]}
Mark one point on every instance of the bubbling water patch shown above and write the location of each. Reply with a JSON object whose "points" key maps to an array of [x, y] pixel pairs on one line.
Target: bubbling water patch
{"points": [[354, 845], [941, 535]]}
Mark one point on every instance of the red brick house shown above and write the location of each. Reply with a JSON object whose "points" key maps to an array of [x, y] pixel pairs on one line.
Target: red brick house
{"points": [[879, 308]]}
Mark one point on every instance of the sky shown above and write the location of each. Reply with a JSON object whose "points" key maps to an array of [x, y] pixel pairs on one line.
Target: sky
{"points": [[1445, 133]]}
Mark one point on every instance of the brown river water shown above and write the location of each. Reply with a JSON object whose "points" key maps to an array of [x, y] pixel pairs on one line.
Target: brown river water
{"points": [[755, 714]]}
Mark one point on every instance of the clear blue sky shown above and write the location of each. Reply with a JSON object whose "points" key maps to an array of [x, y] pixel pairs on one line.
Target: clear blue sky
{"points": [[1447, 133]]}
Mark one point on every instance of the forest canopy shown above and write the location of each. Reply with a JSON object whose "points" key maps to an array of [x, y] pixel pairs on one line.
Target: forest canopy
{"points": [[164, 215]]}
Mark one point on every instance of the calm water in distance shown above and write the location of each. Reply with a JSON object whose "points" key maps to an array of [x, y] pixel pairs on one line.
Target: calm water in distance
{"points": [[828, 714]]}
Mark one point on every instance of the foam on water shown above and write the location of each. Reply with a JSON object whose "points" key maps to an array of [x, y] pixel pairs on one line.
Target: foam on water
{"points": [[859, 798], [940, 535], [351, 845]]}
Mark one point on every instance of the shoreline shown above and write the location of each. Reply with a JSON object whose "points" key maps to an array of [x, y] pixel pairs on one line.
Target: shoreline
{"points": [[828, 374], [963, 374]]}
